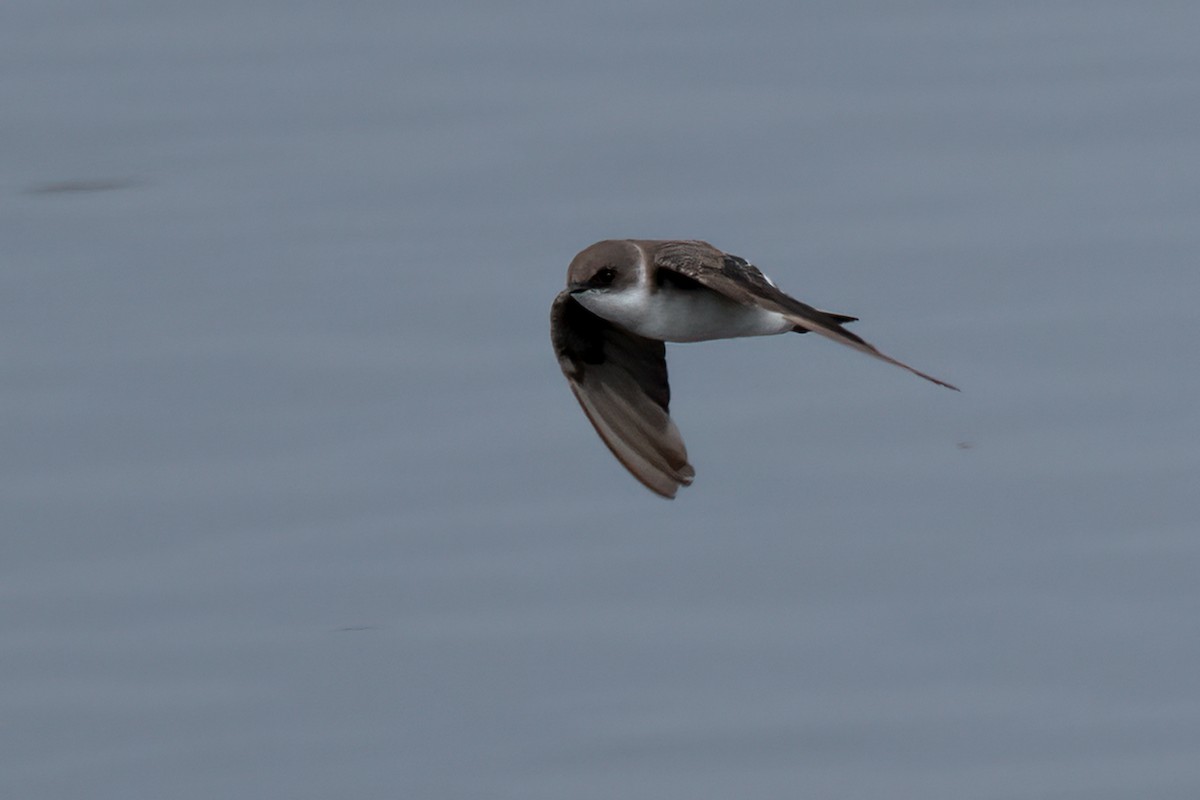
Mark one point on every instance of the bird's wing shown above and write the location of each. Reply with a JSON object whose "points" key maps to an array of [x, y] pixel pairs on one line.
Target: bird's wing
{"points": [[739, 280], [620, 381]]}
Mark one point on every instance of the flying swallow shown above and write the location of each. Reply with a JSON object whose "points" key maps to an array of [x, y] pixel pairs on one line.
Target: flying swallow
{"points": [[625, 298]]}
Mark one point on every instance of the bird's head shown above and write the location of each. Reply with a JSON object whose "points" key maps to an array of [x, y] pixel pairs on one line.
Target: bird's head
{"points": [[608, 266]]}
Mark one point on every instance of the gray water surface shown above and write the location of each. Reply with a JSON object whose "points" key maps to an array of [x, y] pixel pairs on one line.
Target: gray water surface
{"points": [[295, 502]]}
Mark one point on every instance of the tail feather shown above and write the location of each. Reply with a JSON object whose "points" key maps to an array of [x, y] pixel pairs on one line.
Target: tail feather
{"points": [[838, 319], [841, 319]]}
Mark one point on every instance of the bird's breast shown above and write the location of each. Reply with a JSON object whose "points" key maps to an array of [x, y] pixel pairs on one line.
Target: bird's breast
{"points": [[683, 315]]}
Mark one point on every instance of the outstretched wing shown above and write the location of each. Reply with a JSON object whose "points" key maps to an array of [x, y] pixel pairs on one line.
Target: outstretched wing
{"points": [[739, 280], [620, 380]]}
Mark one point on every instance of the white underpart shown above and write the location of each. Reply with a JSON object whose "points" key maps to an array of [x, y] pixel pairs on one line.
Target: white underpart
{"points": [[681, 315]]}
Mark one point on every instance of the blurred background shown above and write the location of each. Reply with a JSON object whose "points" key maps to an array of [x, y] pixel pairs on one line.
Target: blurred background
{"points": [[295, 503]]}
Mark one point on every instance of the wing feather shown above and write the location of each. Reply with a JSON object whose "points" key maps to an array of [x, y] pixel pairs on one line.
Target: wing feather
{"points": [[739, 280], [620, 381]]}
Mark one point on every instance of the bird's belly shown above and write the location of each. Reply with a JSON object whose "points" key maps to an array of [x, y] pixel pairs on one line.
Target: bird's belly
{"points": [[698, 315]]}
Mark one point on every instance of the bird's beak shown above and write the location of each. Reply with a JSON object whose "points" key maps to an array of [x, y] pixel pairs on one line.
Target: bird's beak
{"points": [[577, 287]]}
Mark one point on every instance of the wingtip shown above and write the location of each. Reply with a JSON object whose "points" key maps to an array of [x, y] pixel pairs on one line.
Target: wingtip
{"points": [[666, 489], [949, 386], [939, 382], [665, 492], [916, 372]]}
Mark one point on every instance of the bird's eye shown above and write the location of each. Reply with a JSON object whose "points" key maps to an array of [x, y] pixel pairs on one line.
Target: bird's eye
{"points": [[604, 277]]}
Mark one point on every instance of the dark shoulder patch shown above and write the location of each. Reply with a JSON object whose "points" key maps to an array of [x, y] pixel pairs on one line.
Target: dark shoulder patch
{"points": [[745, 274], [676, 280], [734, 266]]}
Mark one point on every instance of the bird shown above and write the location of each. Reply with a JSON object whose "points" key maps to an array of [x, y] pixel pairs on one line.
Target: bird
{"points": [[625, 298]]}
